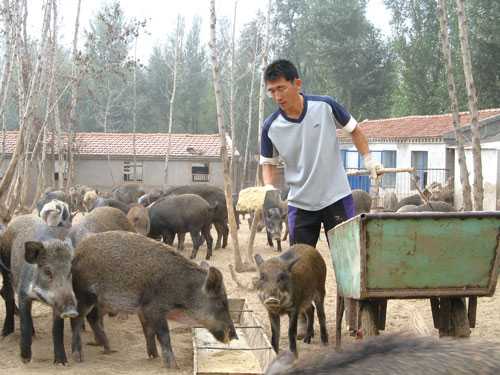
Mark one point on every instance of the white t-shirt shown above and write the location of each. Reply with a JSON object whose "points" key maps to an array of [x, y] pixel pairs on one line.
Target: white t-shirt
{"points": [[309, 148]]}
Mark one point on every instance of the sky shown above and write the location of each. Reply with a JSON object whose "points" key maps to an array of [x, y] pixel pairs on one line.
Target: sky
{"points": [[162, 15]]}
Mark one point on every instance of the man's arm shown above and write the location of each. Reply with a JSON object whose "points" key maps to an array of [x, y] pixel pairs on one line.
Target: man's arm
{"points": [[269, 173], [360, 141]]}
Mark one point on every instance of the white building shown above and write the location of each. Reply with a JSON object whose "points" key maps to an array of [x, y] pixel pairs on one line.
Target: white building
{"points": [[422, 142], [490, 160]]}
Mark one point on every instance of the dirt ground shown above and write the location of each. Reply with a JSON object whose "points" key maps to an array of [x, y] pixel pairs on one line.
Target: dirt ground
{"points": [[127, 338]]}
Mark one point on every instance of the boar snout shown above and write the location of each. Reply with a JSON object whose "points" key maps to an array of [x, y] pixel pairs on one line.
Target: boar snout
{"points": [[69, 312], [272, 302]]}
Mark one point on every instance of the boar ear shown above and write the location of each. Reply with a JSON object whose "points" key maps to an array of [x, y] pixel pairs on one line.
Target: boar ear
{"points": [[213, 282], [258, 260], [32, 251], [204, 265]]}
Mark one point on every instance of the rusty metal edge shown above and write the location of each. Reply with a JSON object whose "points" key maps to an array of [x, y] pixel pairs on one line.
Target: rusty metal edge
{"points": [[363, 293], [427, 293], [495, 266], [436, 215]]}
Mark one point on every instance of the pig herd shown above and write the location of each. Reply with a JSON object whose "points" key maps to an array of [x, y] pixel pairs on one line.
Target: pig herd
{"points": [[109, 261], [87, 265]]}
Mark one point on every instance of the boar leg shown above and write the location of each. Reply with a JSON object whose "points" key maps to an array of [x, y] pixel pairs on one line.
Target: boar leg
{"points": [[180, 241], [85, 306], [92, 316], [58, 340], [10, 306], [76, 337], [206, 233], [95, 318], [320, 311], [149, 334], [310, 324], [293, 317], [278, 244], [275, 331], [285, 236], [219, 230], [162, 333], [168, 237], [26, 327], [225, 234], [269, 239], [195, 236]]}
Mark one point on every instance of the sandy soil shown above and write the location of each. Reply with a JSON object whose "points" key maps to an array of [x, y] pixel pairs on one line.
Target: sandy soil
{"points": [[127, 338]]}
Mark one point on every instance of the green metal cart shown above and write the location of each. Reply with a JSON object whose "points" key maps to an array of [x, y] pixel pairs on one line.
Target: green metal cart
{"points": [[445, 257]]}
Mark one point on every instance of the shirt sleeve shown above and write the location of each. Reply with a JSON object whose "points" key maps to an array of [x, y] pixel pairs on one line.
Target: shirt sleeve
{"points": [[268, 153], [343, 119]]}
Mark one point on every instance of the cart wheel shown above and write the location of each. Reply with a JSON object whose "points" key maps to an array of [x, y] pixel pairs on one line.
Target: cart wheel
{"points": [[368, 319], [459, 319]]}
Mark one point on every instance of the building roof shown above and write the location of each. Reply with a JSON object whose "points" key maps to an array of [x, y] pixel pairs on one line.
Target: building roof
{"points": [[430, 128], [148, 145]]}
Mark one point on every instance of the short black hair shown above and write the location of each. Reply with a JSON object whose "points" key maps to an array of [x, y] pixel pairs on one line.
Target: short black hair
{"points": [[281, 69]]}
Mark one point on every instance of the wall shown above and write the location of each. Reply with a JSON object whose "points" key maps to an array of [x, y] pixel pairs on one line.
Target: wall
{"points": [[436, 160], [490, 159], [103, 175]]}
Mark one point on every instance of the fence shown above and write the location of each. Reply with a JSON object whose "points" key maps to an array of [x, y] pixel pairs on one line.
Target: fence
{"points": [[401, 183]]}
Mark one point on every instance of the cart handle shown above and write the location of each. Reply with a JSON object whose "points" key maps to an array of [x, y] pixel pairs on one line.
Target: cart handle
{"points": [[365, 172]]}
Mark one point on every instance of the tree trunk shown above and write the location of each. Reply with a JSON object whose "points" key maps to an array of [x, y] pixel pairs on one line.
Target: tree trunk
{"points": [[231, 100], [134, 114], [239, 265], [178, 49], [76, 77], [250, 110], [263, 65], [105, 123], [33, 100], [445, 46], [472, 100]]}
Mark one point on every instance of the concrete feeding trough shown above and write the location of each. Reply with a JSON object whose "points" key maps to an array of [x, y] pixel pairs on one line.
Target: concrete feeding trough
{"points": [[249, 355]]}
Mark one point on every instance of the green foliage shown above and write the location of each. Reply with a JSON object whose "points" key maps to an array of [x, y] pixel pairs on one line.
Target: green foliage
{"points": [[338, 52]]}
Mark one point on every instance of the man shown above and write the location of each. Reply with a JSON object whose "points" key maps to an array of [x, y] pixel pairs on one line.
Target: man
{"points": [[303, 133]]}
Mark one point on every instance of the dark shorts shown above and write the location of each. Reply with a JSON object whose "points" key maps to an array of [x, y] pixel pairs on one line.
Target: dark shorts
{"points": [[305, 226]]}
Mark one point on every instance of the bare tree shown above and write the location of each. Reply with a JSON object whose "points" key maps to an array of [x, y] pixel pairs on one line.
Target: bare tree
{"points": [[258, 176], [76, 77], [473, 108], [263, 64], [50, 103], [179, 36], [239, 265], [38, 84], [250, 112], [9, 54], [445, 47], [134, 112], [231, 97]]}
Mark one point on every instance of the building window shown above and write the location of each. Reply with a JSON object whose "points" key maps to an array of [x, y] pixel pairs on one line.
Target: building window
{"points": [[200, 172], [128, 171], [419, 162], [388, 159], [61, 170]]}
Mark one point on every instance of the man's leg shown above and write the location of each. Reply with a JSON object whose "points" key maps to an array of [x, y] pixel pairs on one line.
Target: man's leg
{"points": [[304, 227], [337, 212], [333, 215]]}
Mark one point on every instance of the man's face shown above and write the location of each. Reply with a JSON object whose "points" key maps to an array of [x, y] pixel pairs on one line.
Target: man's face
{"points": [[284, 93]]}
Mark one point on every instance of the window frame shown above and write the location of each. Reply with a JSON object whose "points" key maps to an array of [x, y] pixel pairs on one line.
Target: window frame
{"points": [[128, 171]]}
